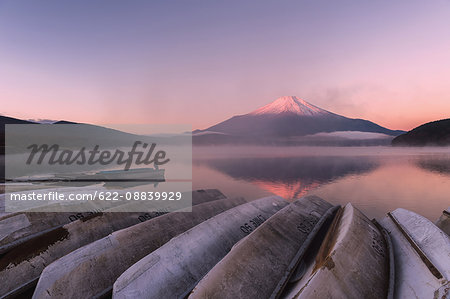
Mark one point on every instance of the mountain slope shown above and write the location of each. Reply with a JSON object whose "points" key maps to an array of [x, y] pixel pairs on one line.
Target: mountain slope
{"points": [[290, 117], [432, 133]]}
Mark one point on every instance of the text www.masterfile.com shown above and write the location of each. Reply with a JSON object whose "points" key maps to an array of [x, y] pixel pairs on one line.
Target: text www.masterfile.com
{"points": [[96, 195]]}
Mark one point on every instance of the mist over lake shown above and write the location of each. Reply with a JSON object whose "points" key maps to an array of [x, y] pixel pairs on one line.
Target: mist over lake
{"points": [[375, 179]]}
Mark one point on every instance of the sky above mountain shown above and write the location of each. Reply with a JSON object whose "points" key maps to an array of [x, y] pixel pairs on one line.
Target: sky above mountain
{"points": [[199, 62]]}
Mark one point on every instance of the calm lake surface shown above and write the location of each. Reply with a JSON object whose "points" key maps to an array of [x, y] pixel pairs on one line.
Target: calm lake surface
{"points": [[376, 180]]}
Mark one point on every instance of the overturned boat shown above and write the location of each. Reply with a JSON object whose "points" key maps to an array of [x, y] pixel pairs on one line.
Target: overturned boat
{"points": [[444, 221], [147, 174], [352, 262], [22, 265], [422, 255], [260, 265], [173, 270], [19, 227], [120, 175], [90, 271]]}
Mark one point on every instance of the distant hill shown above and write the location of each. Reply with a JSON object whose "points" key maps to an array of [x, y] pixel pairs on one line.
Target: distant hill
{"points": [[3, 121], [436, 133], [10, 120], [285, 118], [74, 135], [64, 122]]}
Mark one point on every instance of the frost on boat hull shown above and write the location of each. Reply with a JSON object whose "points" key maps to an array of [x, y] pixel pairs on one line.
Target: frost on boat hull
{"points": [[249, 270], [18, 227], [352, 262], [422, 256], [90, 271], [444, 222], [21, 266], [173, 270]]}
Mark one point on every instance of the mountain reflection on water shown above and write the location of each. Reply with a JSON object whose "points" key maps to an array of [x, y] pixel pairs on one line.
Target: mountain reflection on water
{"points": [[376, 180], [292, 177], [437, 165]]}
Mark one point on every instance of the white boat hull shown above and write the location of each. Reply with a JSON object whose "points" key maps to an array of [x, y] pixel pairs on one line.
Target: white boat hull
{"points": [[260, 265], [21, 267], [422, 255], [352, 262], [174, 269], [91, 270]]}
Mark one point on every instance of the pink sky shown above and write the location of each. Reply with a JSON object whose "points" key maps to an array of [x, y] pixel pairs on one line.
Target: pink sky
{"points": [[202, 63]]}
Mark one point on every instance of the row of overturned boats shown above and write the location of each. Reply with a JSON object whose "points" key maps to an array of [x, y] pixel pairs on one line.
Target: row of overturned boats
{"points": [[226, 248]]}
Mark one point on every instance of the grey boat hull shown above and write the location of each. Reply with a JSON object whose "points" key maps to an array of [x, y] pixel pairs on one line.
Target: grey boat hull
{"points": [[352, 262], [90, 271], [250, 270], [21, 267], [174, 269]]}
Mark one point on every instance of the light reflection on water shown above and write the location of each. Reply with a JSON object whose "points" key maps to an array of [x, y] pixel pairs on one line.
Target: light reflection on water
{"points": [[376, 180]]}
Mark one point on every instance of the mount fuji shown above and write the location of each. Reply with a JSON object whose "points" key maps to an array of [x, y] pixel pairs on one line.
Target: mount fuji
{"points": [[290, 118]]}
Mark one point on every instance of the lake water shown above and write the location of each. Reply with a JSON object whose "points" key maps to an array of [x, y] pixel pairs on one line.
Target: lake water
{"points": [[376, 180]]}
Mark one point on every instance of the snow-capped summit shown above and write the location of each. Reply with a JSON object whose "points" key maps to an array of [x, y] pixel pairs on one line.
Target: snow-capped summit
{"points": [[290, 104], [288, 117]]}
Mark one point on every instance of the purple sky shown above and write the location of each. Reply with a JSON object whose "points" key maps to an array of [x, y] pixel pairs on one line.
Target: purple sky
{"points": [[200, 62]]}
